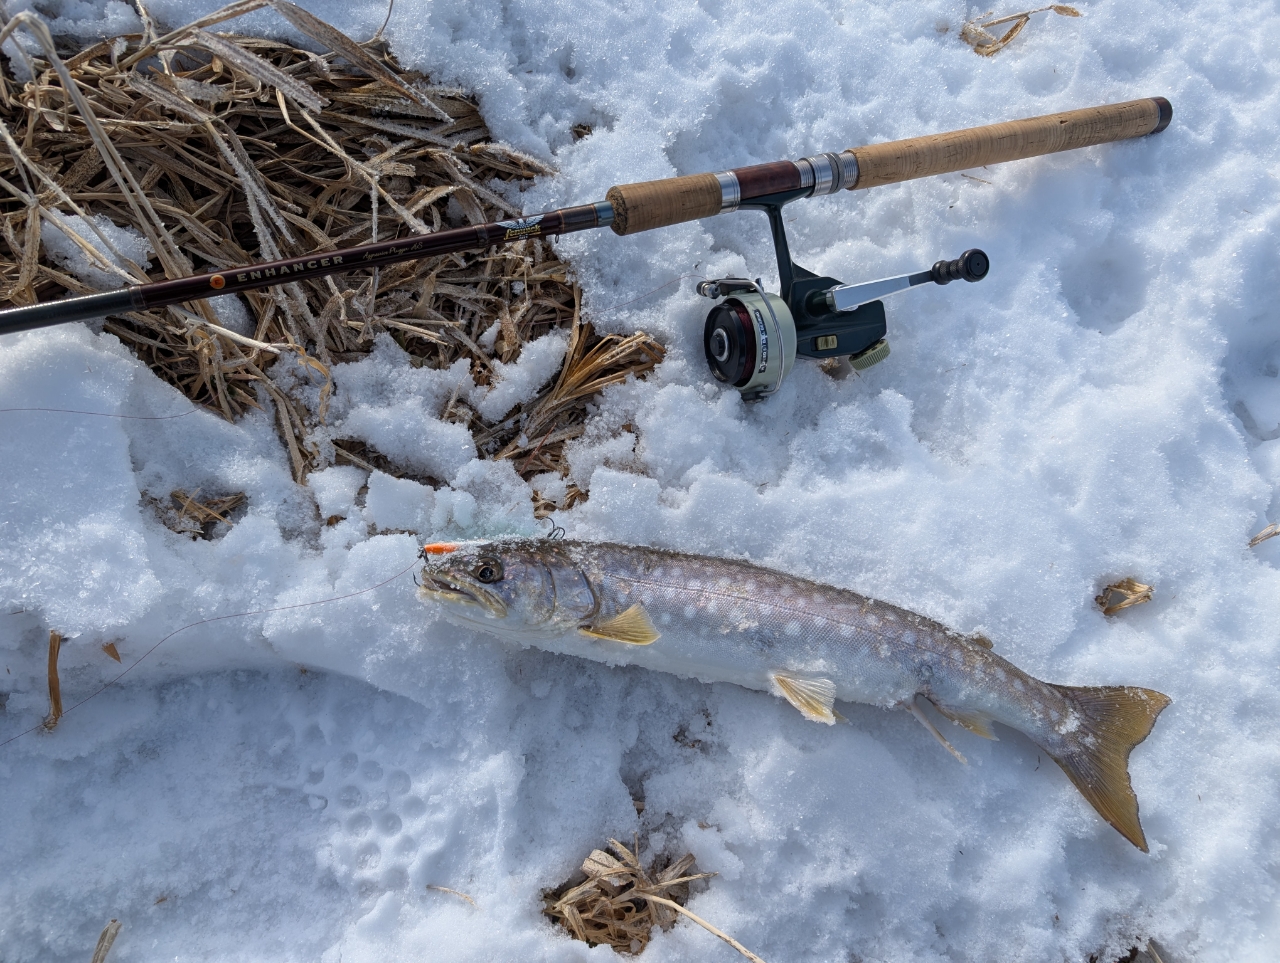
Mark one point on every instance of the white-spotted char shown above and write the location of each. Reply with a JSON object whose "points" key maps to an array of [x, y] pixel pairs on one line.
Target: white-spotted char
{"points": [[720, 620]]}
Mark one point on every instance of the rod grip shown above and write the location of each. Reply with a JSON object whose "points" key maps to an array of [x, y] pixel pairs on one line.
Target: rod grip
{"points": [[650, 204], [958, 150]]}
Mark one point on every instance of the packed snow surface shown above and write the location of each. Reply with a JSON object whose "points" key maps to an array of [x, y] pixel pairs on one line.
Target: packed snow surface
{"points": [[290, 785]]}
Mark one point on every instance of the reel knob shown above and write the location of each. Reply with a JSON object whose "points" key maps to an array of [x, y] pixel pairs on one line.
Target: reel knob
{"points": [[972, 265]]}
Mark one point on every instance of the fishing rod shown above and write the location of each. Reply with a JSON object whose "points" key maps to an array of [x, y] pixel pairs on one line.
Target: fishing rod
{"points": [[752, 337]]}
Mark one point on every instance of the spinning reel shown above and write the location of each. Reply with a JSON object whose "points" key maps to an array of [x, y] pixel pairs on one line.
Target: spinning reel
{"points": [[752, 338]]}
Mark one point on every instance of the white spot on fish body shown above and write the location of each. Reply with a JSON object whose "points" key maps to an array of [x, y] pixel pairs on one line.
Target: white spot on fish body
{"points": [[690, 611], [665, 618], [792, 628], [883, 650], [846, 631], [669, 592], [1017, 684], [786, 591]]}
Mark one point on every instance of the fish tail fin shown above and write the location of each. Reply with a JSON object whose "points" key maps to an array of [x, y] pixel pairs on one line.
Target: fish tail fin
{"points": [[1113, 719]]}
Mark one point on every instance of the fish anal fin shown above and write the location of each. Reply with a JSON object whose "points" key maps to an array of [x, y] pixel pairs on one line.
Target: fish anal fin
{"points": [[913, 707], [812, 697], [979, 723], [632, 626], [1112, 721]]}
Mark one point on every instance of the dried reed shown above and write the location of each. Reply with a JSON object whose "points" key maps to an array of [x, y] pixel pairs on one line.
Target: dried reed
{"points": [[105, 939], [1271, 531], [986, 44], [222, 150], [55, 686], [619, 903], [1123, 594], [188, 514]]}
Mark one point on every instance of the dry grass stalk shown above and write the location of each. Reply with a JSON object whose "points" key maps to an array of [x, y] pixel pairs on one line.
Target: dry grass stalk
{"points": [[55, 686], [619, 903], [107, 937], [223, 150], [986, 44], [1122, 595], [446, 889], [1271, 531], [188, 514]]}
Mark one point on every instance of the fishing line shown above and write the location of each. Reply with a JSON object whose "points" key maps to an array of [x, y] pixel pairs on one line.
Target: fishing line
{"points": [[268, 611], [217, 618], [105, 414], [650, 292]]}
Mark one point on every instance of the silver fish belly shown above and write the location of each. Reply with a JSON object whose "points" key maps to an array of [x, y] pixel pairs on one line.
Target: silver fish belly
{"points": [[721, 620]]}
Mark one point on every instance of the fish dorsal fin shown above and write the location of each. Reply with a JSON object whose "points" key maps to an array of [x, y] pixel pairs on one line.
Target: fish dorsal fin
{"points": [[979, 723], [632, 626], [977, 638], [913, 706], [813, 697]]}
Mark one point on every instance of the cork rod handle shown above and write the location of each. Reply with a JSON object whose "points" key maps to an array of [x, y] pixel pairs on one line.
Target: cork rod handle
{"points": [[650, 204], [903, 160]]}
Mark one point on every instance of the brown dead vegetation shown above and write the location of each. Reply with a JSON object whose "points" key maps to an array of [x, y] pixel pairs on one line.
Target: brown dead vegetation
{"points": [[986, 44], [620, 903], [1123, 594], [187, 513], [55, 684], [222, 150]]}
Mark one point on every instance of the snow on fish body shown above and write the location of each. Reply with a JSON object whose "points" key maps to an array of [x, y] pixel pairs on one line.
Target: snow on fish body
{"points": [[720, 620]]}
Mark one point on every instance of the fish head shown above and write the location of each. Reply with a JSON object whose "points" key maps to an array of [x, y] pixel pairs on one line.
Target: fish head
{"points": [[513, 587]]}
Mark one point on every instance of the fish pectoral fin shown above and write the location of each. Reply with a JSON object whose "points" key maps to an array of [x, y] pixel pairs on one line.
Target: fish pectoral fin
{"points": [[813, 697], [913, 707], [979, 723], [633, 626]]}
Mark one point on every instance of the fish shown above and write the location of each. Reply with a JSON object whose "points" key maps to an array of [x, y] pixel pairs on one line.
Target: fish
{"points": [[811, 644]]}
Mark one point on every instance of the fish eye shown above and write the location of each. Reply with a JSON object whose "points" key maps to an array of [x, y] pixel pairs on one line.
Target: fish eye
{"points": [[488, 570]]}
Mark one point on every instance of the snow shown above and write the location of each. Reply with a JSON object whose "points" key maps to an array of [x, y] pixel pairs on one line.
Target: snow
{"points": [[1104, 404]]}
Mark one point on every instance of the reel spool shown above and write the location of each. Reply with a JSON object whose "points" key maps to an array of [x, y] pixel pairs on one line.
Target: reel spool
{"points": [[749, 338]]}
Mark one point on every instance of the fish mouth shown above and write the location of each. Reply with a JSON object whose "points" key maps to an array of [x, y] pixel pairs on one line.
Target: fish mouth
{"points": [[443, 587]]}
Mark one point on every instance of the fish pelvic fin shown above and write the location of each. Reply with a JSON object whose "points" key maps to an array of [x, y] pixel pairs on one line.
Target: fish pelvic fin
{"points": [[1113, 720], [913, 706], [633, 626], [813, 697]]}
